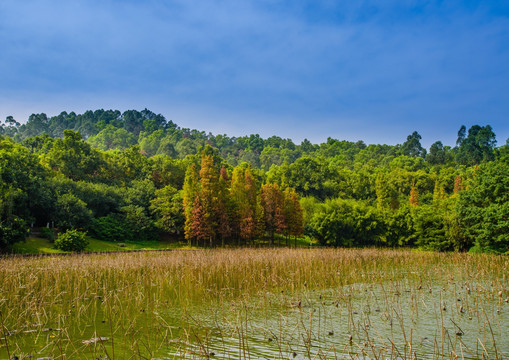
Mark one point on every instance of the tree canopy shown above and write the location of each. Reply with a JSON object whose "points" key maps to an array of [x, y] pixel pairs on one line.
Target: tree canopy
{"points": [[135, 175]]}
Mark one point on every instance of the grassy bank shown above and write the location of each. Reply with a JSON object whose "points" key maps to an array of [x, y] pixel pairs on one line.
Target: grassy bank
{"points": [[38, 245]]}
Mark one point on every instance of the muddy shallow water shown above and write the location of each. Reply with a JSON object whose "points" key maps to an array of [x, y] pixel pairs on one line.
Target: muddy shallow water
{"points": [[369, 321], [249, 304]]}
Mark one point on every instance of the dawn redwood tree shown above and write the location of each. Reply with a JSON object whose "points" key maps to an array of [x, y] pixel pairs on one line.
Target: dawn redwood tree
{"points": [[209, 184], [224, 207], [273, 213], [199, 228], [386, 194], [237, 196], [243, 192], [414, 196], [293, 214], [458, 184], [252, 225], [190, 192]]}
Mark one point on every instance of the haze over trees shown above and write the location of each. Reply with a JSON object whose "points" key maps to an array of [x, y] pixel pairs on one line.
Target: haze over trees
{"points": [[135, 175]]}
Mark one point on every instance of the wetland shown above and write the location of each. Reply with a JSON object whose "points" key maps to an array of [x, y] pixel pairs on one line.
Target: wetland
{"points": [[256, 304]]}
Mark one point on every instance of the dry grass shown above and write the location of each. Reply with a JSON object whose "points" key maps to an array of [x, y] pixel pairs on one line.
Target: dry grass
{"points": [[145, 305]]}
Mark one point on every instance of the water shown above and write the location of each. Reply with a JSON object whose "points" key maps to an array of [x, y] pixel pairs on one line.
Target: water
{"points": [[396, 319], [367, 321]]}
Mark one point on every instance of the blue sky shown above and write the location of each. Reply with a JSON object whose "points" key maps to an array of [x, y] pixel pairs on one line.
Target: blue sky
{"points": [[354, 70]]}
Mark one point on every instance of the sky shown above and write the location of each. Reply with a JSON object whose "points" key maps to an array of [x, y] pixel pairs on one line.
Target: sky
{"points": [[352, 70]]}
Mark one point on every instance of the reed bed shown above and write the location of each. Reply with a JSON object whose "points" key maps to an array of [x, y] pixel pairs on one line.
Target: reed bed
{"points": [[255, 303]]}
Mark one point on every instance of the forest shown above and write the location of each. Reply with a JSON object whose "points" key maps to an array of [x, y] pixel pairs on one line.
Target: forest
{"points": [[138, 176]]}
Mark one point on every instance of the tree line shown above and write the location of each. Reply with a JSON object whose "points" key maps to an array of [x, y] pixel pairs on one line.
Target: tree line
{"points": [[155, 135], [137, 176]]}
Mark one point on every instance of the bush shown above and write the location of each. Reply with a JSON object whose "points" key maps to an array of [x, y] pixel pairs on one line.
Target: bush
{"points": [[71, 240], [112, 228], [47, 233], [12, 230]]}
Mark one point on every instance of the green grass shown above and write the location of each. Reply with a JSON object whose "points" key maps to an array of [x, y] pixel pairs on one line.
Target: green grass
{"points": [[34, 245], [37, 245]]}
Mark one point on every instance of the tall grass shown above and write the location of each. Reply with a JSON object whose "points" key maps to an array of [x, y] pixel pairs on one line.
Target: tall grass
{"points": [[185, 303]]}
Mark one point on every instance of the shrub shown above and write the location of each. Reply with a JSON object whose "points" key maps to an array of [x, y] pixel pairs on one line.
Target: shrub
{"points": [[71, 240], [12, 230], [113, 227], [47, 233]]}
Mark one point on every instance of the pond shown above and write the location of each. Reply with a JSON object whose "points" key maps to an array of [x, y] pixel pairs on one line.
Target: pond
{"points": [[325, 304]]}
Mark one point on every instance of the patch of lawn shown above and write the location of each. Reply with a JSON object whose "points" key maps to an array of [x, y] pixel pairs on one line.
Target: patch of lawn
{"points": [[37, 245], [99, 245]]}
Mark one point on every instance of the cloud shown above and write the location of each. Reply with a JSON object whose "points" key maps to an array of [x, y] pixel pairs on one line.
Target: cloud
{"points": [[356, 69]]}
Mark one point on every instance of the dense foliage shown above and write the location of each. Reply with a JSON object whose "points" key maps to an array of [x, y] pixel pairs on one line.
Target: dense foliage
{"points": [[71, 240], [135, 176]]}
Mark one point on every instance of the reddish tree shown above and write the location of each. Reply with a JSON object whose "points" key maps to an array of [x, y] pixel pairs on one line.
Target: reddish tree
{"points": [[272, 206], [199, 229], [246, 212], [414, 197], [458, 184]]}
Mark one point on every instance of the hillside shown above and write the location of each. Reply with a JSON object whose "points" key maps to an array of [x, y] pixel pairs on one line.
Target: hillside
{"points": [[135, 175]]}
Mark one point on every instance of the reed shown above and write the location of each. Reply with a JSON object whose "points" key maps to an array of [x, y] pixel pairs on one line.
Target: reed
{"points": [[320, 303]]}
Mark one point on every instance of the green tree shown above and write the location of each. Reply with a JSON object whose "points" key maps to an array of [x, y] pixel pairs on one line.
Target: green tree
{"points": [[347, 223], [12, 228], [483, 207], [112, 138], [430, 230], [74, 158], [139, 223], [477, 147], [168, 210], [190, 193], [293, 213], [112, 227], [71, 212], [412, 146], [438, 154], [167, 171]]}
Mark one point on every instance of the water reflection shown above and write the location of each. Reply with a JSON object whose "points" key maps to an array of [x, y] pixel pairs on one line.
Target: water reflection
{"points": [[393, 320]]}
